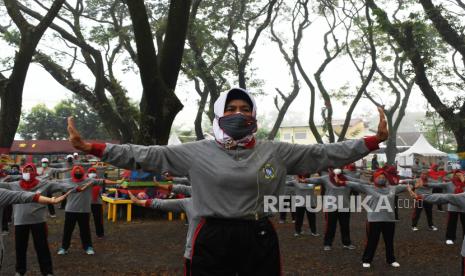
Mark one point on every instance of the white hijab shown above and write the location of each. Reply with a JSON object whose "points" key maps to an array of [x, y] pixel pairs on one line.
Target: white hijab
{"points": [[220, 136]]}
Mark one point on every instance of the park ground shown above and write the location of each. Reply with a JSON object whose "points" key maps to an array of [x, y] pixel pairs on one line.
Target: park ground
{"points": [[154, 246]]}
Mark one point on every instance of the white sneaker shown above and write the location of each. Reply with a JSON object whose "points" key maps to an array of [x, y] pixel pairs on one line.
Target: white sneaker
{"points": [[350, 247], [414, 229], [433, 228], [314, 234], [326, 248], [366, 265], [395, 264], [90, 251], [62, 251], [449, 242]]}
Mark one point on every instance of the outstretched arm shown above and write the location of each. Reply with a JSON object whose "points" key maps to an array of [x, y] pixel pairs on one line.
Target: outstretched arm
{"points": [[169, 205], [301, 159], [175, 188], [455, 199], [8, 197], [52, 200], [176, 159], [353, 179], [5, 185], [315, 180], [356, 186]]}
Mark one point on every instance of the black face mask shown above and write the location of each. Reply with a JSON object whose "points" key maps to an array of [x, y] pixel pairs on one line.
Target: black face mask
{"points": [[237, 126], [70, 160], [78, 175]]}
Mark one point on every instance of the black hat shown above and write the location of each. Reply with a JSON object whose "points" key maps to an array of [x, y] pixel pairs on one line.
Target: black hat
{"points": [[238, 94]]}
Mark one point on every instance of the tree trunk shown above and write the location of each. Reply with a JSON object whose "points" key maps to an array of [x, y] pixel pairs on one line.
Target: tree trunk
{"points": [[11, 89], [460, 138], [159, 105], [12, 95], [391, 147], [198, 117]]}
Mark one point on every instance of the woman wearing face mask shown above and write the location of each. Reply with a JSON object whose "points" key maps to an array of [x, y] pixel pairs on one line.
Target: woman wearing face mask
{"points": [[339, 193], [380, 217], [455, 186], [8, 197], [458, 200], [78, 208], [230, 177], [47, 172], [32, 218], [97, 204], [422, 187]]}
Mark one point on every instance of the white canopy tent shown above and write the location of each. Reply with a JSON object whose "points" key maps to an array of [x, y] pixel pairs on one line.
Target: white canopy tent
{"points": [[421, 150]]}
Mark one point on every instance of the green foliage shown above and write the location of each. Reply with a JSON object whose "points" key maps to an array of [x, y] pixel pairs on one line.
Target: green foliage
{"points": [[50, 124], [437, 132], [213, 21], [262, 133]]}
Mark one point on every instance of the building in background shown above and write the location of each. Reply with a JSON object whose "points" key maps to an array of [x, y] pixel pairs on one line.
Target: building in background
{"points": [[301, 134]]}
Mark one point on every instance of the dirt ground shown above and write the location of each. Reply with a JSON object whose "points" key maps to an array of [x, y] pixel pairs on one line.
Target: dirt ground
{"points": [[151, 246]]}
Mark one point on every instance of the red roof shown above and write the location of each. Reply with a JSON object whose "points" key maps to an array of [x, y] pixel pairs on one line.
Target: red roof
{"points": [[47, 146]]}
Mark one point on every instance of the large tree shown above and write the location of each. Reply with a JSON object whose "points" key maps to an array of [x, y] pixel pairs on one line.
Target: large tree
{"points": [[159, 70], [392, 82], [299, 21], [11, 87], [111, 37], [339, 23], [422, 45]]}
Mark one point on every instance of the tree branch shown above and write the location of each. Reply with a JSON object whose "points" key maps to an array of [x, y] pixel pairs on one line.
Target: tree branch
{"points": [[15, 14], [445, 29]]}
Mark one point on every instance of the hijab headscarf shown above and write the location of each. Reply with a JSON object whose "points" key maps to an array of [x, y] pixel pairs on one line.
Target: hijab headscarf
{"points": [[221, 137], [33, 181], [73, 174]]}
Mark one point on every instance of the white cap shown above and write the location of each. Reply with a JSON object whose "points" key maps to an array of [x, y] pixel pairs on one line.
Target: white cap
{"points": [[337, 171], [75, 154], [69, 156], [44, 160]]}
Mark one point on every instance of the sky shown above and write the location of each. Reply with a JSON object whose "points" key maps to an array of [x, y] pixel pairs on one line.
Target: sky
{"points": [[41, 88]]}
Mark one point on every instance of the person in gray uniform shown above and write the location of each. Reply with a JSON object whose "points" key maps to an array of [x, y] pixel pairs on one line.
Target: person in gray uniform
{"points": [[77, 210], [424, 186], [381, 216], [335, 188], [45, 171], [230, 178], [8, 197], [97, 204], [306, 191], [457, 200], [32, 218], [456, 185], [176, 205]]}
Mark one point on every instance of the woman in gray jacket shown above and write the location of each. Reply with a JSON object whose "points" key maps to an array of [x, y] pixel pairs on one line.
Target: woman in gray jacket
{"points": [[31, 219], [457, 200], [230, 178], [8, 197], [381, 217]]}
